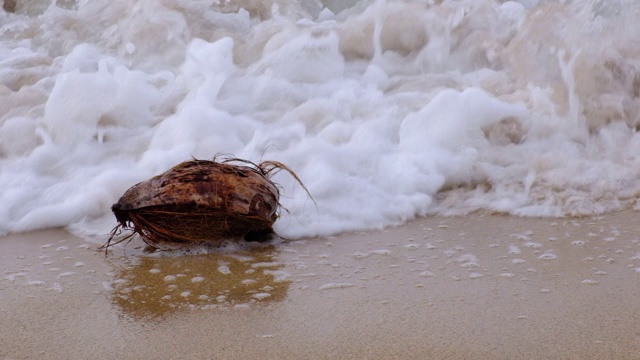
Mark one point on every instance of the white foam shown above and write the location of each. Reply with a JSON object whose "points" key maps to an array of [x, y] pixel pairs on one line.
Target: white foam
{"points": [[514, 250], [589, 282], [362, 255], [66, 274], [533, 245], [261, 296], [386, 110], [426, 273], [329, 286], [548, 256]]}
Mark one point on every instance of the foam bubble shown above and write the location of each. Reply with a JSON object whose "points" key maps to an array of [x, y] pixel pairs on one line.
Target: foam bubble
{"points": [[533, 245], [67, 274], [329, 286], [514, 250], [548, 256], [261, 296], [426, 273], [589, 282]]}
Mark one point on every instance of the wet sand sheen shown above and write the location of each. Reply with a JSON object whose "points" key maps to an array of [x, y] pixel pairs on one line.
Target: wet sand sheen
{"points": [[476, 287]]}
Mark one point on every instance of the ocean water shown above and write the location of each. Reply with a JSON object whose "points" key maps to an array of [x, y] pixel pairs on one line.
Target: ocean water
{"points": [[386, 110]]}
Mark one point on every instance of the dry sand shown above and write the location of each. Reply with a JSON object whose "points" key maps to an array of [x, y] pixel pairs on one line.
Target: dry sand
{"points": [[477, 287]]}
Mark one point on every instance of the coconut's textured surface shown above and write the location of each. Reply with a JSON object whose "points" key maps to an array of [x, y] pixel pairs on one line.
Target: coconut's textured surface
{"points": [[200, 202]]}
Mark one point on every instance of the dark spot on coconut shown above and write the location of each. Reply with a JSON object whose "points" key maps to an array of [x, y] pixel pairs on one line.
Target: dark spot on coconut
{"points": [[242, 174], [258, 205], [9, 6], [259, 236], [196, 177]]}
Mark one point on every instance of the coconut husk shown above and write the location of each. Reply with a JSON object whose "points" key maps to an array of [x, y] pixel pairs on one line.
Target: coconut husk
{"points": [[202, 202]]}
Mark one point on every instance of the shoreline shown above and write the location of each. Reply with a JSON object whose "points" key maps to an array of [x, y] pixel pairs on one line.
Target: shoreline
{"points": [[480, 286]]}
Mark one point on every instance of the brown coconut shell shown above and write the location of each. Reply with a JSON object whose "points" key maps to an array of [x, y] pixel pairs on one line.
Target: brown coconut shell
{"points": [[201, 202]]}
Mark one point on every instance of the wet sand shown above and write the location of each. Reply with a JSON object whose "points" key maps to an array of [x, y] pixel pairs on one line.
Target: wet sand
{"points": [[476, 287]]}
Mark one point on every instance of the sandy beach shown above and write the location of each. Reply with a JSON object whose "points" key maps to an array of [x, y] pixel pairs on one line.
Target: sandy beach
{"points": [[476, 287]]}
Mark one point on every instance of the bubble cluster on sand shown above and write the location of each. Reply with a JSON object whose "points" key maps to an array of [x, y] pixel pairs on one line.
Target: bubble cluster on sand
{"points": [[52, 268], [151, 285]]}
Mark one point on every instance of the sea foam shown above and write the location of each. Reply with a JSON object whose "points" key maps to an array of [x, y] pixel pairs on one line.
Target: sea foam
{"points": [[386, 110]]}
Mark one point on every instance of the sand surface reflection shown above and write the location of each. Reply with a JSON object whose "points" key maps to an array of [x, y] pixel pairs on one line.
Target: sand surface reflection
{"points": [[150, 287]]}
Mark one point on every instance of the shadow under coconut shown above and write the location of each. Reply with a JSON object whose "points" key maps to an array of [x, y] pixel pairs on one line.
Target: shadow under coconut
{"points": [[151, 287]]}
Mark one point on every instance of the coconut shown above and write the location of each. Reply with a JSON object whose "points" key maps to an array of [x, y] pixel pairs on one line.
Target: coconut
{"points": [[202, 202]]}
